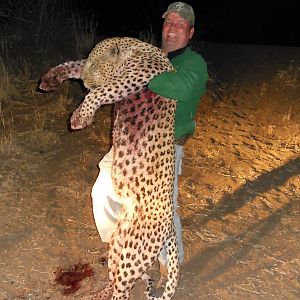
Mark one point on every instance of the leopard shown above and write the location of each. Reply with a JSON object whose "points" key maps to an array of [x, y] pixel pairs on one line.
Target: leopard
{"points": [[115, 68], [117, 72]]}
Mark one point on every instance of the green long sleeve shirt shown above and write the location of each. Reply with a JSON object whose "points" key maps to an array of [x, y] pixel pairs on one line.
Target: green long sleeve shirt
{"points": [[186, 84]]}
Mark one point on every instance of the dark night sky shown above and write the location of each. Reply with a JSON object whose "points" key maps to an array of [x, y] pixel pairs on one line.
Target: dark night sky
{"points": [[232, 21]]}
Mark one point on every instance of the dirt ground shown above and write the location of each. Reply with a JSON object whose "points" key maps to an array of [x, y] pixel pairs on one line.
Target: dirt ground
{"points": [[239, 191]]}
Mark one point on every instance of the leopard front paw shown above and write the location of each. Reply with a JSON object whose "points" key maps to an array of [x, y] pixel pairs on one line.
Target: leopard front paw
{"points": [[78, 121], [52, 79]]}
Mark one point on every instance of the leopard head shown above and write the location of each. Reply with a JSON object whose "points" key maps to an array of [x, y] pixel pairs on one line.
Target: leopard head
{"points": [[102, 63]]}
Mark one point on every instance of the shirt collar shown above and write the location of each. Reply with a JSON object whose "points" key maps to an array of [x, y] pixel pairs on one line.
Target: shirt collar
{"points": [[176, 52]]}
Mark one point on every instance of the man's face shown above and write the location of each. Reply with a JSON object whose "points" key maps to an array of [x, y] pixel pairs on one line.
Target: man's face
{"points": [[176, 32]]}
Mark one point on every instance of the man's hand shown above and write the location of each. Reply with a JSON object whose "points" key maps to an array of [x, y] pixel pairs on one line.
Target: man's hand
{"points": [[53, 78]]}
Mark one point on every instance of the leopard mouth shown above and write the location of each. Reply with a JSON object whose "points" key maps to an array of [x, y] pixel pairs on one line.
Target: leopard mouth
{"points": [[90, 87]]}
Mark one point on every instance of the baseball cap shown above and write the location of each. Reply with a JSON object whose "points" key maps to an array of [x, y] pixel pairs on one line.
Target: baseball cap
{"points": [[183, 9]]}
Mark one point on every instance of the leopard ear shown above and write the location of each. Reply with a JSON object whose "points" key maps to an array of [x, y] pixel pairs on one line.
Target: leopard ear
{"points": [[115, 51]]}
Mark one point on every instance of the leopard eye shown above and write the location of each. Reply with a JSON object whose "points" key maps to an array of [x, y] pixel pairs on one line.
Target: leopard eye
{"points": [[93, 68]]}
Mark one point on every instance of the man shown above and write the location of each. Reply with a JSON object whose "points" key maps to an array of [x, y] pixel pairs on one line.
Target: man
{"points": [[186, 85]]}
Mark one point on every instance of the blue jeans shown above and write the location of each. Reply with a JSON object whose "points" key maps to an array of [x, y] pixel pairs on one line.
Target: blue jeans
{"points": [[179, 154]]}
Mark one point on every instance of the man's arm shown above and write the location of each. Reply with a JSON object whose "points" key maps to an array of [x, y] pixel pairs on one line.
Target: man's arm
{"points": [[186, 83], [55, 76]]}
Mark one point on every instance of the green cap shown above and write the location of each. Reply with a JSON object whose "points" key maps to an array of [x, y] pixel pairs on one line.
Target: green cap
{"points": [[183, 9]]}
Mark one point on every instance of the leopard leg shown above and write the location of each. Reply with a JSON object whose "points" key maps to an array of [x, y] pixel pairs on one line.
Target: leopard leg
{"points": [[173, 271], [55, 76], [173, 267], [133, 261], [149, 284], [115, 247]]}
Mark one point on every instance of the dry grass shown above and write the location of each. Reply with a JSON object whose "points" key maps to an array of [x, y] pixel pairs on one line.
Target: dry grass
{"points": [[102, 138], [14, 75], [148, 36], [84, 31], [15, 84], [7, 86], [7, 90], [42, 19], [34, 16], [7, 140], [56, 193], [40, 116], [289, 77], [60, 107]]}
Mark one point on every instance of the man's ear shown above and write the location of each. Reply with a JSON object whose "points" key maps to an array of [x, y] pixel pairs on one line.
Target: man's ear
{"points": [[192, 30]]}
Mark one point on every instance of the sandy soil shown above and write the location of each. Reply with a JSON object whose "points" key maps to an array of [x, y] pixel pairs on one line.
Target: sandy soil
{"points": [[239, 191]]}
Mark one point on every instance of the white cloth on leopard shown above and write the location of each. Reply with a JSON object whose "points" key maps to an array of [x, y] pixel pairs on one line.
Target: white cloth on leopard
{"points": [[106, 204]]}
